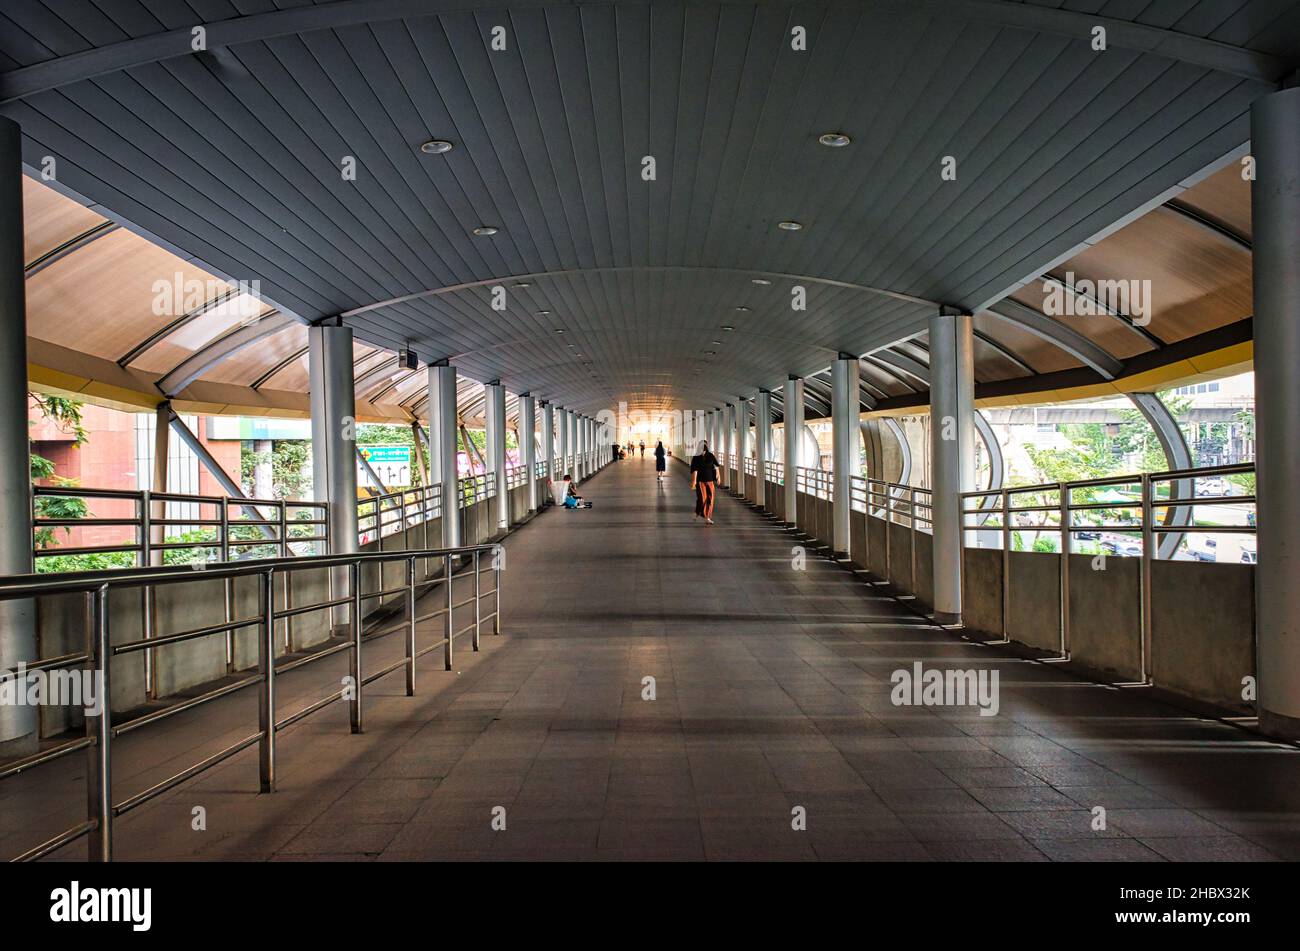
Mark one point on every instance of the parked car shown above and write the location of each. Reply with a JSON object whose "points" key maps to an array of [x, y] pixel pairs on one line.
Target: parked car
{"points": [[1090, 535], [1207, 550], [1214, 486], [1127, 549], [1249, 556]]}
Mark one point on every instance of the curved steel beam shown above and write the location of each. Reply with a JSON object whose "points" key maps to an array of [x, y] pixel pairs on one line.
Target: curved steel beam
{"points": [[184, 320], [1120, 34], [996, 465], [296, 355], [72, 245], [901, 361], [1102, 309], [207, 357], [1056, 333], [1209, 224], [1177, 456]]}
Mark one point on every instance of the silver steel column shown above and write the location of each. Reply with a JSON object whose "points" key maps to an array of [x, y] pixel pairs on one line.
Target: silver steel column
{"points": [[580, 440], [762, 443], [793, 430], [334, 431], [742, 443], [494, 401], [548, 439], [528, 436], [442, 447], [563, 420], [1275, 215], [18, 723], [846, 414], [952, 452], [729, 443]]}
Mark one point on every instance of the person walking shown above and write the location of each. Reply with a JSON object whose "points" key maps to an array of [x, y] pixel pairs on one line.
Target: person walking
{"points": [[643, 447], [704, 478], [661, 461]]}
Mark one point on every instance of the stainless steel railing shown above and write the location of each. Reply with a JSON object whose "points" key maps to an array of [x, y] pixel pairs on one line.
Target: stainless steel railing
{"points": [[283, 526], [383, 515], [1146, 507], [818, 483], [99, 653]]}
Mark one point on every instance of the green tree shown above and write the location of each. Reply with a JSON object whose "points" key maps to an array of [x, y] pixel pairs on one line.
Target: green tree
{"points": [[66, 414]]}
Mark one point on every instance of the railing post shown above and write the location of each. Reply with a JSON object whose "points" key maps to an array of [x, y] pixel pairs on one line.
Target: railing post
{"points": [[148, 593], [410, 627], [1063, 490], [477, 595], [99, 728], [266, 696], [1006, 564], [1146, 588], [497, 568], [889, 521], [354, 705], [447, 650], [911, 509]]}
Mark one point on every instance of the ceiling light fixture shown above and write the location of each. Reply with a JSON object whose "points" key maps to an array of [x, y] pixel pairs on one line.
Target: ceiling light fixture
{"points": [[760, 281], [437, 147], [834, 140], [523, 284], [742, 308], [484, 231], [789, 226], [728, 327], [559, 330]]}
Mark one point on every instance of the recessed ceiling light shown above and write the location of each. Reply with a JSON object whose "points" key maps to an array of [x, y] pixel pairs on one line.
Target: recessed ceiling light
{"points": [[484, 231], [543, 313], [523, 284], [728, 327], [760, 281], [717, 343], [710, 353], [789, 226], [742, 308], [834, 140], [437, 147], [559, 330]]}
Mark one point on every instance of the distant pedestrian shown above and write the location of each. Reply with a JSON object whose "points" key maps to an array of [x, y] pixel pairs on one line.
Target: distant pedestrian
{"points": [[642, 447], [661, 461]]}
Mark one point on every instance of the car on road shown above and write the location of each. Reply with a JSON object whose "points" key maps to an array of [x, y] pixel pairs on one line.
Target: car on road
{"points": [[1205, 550], [1127, 549]]}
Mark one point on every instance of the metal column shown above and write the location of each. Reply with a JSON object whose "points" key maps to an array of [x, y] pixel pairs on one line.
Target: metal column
{"points": [[762, 444], [846, 415], [334, 432], [494, 402], [793, 427], [548, 440], [729, 443], [580, 446], [742, 443], [528, 446], [952, 452], [1275, 215], [443, 430], [18, 722], [563, 419]]}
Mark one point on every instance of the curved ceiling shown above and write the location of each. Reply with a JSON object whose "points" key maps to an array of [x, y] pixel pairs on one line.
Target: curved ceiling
{"points": [[230, 163]]}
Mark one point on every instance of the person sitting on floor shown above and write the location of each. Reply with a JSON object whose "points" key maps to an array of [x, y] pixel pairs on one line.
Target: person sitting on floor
{"points": [[566, 495]]}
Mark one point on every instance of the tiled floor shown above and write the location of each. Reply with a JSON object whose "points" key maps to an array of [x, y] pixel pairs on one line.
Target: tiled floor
{"points": [[771, 710]]}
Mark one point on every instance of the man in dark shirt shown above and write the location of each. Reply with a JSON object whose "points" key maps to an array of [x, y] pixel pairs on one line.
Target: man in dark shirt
{"points": [[704, 478]]}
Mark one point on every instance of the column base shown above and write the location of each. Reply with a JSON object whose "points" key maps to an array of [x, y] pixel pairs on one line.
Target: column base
{"points": [[1279, 726], [946, 618]]}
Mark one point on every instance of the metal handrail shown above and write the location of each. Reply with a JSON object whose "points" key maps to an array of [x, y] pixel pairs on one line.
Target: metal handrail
{"points": [[276, 520], [1059, 516], [816, 482], [99, 652], [383, 515]]}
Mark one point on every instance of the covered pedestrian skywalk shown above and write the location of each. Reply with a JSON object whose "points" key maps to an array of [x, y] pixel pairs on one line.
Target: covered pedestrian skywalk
{"points": [[572, 226]]}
